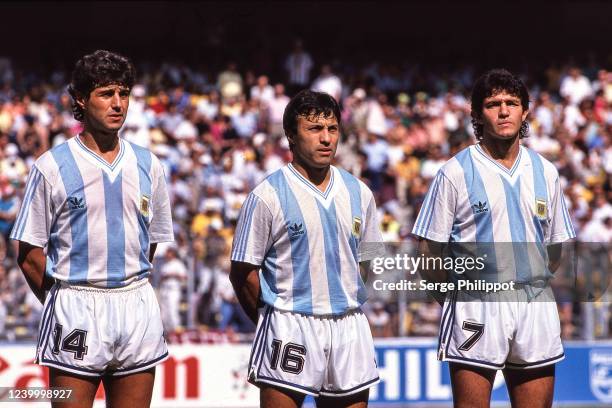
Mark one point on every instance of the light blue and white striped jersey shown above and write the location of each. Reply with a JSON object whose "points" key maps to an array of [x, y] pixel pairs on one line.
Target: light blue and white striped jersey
{"points": [[475, 199], [95, 220], [309, 243]]}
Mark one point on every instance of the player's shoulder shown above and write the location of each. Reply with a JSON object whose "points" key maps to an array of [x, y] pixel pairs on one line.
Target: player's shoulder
{"points": [[550, 170], [50, 163], [454, 168], [268, 188]]}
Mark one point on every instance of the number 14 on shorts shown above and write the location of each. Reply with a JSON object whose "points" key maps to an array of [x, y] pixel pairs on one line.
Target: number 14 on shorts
{"points": [[74, 342]]}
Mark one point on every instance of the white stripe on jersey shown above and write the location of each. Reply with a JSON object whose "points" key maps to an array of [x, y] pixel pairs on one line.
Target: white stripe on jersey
{"points": [[475, 199], [96, 220], [309, 242]]}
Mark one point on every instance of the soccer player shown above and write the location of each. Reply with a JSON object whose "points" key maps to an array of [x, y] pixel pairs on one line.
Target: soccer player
{"points": [[301, 236], [94, 209], [505, 199]]}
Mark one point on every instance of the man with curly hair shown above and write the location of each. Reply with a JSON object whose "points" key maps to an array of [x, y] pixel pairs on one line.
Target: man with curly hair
{"points": [[94, 209], [501, 202]]}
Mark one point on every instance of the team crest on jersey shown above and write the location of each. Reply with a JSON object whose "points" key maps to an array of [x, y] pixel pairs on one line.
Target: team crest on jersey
{"points": [[144, 205], [295, 230], [357, 227], [541, 208], [76, 203]]}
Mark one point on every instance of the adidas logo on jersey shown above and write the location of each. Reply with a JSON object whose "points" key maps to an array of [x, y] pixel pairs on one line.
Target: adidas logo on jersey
{"points": [[76, 203], [295, 230], [480, 207]]}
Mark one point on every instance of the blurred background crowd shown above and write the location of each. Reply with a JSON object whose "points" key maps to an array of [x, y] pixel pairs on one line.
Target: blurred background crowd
{"points": [[218, 133]]}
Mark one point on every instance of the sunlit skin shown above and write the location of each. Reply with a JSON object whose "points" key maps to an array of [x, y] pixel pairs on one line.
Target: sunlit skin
{"points": [[501, 118], [104, 113], [314, 147]]}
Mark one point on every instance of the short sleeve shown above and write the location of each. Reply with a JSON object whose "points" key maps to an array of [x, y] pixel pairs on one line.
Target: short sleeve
{"points": [[561, 224], [252, 239], [371, 244], [33, 223], [160, 229], [437, 214]]}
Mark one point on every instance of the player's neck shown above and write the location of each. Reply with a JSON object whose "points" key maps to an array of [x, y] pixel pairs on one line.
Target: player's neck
{"points": [[318, 176], [105, 145], [504, 152]]}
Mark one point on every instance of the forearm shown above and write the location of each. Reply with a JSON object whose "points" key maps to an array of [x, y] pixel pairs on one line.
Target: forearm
{"points": [[32, 261], [429, 271], [247, 288]]}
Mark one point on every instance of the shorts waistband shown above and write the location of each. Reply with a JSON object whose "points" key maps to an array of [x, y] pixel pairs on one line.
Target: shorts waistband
{"points": [[128, 288]]}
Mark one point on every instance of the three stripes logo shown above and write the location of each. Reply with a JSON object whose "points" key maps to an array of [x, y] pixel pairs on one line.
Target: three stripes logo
{"points": [[76, 203], [480, 207], [295, 230]]}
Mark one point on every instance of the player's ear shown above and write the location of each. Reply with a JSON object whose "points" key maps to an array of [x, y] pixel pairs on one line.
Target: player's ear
{"points": [[524, 116], [80, 100]]}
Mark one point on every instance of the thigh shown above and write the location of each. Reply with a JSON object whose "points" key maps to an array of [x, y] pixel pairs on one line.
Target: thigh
{"points": [[531, 388], [273, 397], [83, 389], [359, 400], [471, 385], [130, 391], [289, 352], [351, 366]]}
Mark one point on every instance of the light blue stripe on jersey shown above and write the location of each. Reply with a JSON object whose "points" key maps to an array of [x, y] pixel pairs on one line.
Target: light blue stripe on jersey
{"points": [[243, 235], [569, 229], [115, 230], [517, 230], [35, 177], [73, 184], [354, 190], [426, 213], [477, 193], [541, 193], [337, 297], [300, 253], [143, 161], [268, 283], [484, 222]]}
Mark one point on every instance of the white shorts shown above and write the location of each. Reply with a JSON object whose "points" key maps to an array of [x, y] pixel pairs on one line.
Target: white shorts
{"points": [[315, 355], [506, 331], [94, 332]]}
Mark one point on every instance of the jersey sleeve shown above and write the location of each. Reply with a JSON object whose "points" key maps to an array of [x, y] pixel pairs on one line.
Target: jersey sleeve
{"points": [[253, 238], [33, 223], [160, 229], [561, 223], [371, 244], [437, 214]]}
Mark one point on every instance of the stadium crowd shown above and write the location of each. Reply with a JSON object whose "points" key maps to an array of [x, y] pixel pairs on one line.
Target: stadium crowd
{"points": [[218, 134]]}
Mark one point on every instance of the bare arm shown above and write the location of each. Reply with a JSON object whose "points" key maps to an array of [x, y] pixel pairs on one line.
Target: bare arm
{"points": [[32, 261], [432, 249], [245, 280], [554, 257], [152, 249]]}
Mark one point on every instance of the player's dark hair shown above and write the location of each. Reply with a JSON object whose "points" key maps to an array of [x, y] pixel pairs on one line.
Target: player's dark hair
{"points": [[97, 69], [490, 83], [308, 103]]}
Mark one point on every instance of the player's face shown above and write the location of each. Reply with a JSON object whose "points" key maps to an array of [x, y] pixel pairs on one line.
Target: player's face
{"points": [[502, 116], [316, 140], [106, 108]]}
